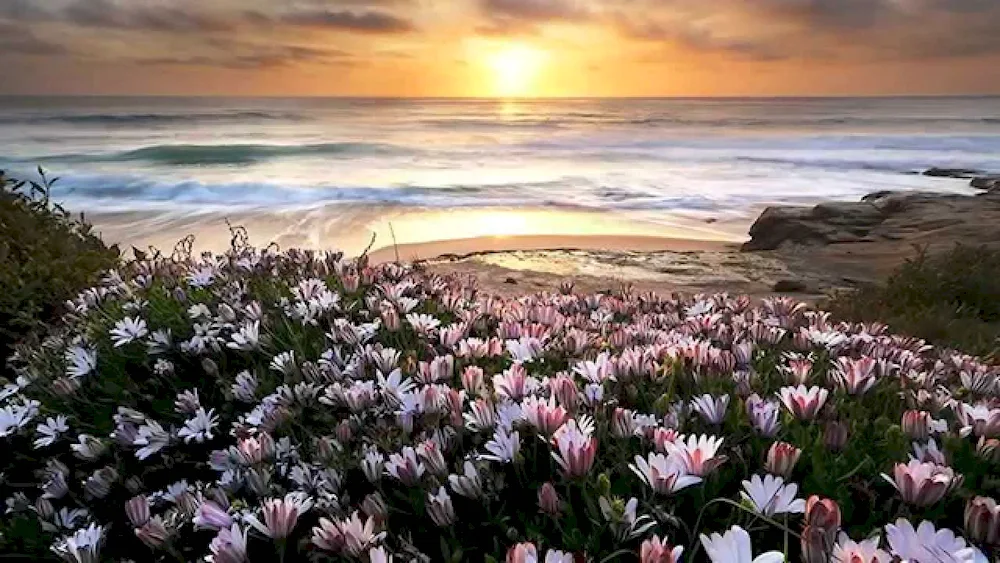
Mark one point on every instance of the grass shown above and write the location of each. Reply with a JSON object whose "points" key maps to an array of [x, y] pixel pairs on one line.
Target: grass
{"points": [[949, 299]]}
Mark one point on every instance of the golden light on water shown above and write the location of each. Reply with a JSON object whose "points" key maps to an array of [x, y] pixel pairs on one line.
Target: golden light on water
{"points": [[515, 68]]}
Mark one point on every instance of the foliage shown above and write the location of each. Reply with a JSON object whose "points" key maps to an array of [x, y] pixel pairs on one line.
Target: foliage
{"points": [[262, 406], [46, 257], [949, 298]]}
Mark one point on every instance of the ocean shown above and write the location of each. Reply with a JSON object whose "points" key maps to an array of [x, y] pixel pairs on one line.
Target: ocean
{"points": [[702, 168]]}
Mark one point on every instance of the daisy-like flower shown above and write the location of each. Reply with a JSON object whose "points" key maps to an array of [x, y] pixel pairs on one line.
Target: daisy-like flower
{"points": [[923, 483], [211, 516], [422, 324], [698, 455], [229, 545], [770, 495], [925, 544], [13, 417], [577, 449], [469, 484], [201, 277], [665, 475], [523, 553], [283, 363], [199, 427], [358, 535], [543, 414], [152, 438], [50, 430], [128, 330], [847, 550], [80, 361], [712, 409], [84, 546], [503, 447], [919, 425], [764, 415], [781, 459], [280, 515], [379, 555], [655, 550], [855, 376], [804, 403], [982, 520], [734, 547], [979, 420], [406, 466], [440, 508], [247, 338]]}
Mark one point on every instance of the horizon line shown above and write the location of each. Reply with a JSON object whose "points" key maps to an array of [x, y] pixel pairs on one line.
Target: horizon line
{"points": [[510, 98]]}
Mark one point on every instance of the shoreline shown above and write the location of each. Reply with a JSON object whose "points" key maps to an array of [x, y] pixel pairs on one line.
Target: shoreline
{"points": [[458, 249]]}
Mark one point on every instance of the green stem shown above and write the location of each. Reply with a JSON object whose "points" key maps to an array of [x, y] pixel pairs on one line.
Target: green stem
{"points": [[616, 554]]}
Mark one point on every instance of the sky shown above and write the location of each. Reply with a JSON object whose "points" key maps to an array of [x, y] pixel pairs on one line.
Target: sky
{"points": [[500, 47]]}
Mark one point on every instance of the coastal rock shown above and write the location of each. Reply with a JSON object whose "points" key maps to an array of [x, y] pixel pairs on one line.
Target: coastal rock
{"points": [[790, 286], [886, 219], [988, 183], [964, 173], [827, 223]]}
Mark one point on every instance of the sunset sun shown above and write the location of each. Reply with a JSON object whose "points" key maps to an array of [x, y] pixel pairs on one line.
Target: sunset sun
{"points": [[514, 69]]}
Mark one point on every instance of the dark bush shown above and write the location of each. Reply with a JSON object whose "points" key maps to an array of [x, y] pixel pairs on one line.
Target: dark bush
{"points": [[46, 257], [949, 298]]}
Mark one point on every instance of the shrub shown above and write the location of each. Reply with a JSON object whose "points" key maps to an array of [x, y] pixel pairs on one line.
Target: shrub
{"points": [[47, 257], [950, 299], [263, 406]]}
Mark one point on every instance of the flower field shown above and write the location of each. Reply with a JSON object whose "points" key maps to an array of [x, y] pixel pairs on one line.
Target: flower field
{"points": [[265, 406]]}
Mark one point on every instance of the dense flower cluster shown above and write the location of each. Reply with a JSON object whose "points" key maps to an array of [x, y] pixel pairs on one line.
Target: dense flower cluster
{"points": [[259, 405]]}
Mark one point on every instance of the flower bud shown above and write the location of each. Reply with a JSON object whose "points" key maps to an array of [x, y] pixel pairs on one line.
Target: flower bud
{"points": [[153, 533], [65, 387], [835, 435], [44, 508], [916, 424], [603, 484], [137, 510], [344, 431], [211, 368], [982, 521], [781, 459], [988, 449], [823, 513], [548, 499], [374, 506]]}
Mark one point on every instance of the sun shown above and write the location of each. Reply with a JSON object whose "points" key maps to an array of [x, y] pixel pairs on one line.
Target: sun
{"points": [[515, 68]]}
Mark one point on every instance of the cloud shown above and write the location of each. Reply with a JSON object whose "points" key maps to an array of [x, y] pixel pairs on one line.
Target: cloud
{"points": [[536, 10], [18, 40], [180, 18], [241, 55], [368, 21], [856, 30]]}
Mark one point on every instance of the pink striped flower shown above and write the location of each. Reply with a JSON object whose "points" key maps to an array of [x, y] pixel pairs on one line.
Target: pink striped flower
{"points": [[577, 449], [523, 553], [804, 403], [698, 454], [855, 376], [923, 483], [543, 414], [664, 474], [655, 550], [280, 515], [781, 459]]}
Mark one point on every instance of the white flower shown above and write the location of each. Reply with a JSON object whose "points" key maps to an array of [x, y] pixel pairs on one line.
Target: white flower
{"points": [[247, 338], [468, 485], [50, 430], [244, 387], [422, 324], [202, 277], [928, 545], [503, 447], [152, 437], [80, 361], [847, 550], [128, 330], [199, 427], [712, 409], [284, 363], [13, 417], [734, 547], [84, 546], [770, 495], [663, 474]]}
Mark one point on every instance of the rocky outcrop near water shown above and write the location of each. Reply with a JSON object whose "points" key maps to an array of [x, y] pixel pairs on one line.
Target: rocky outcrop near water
{"points": [[882, 218]]}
